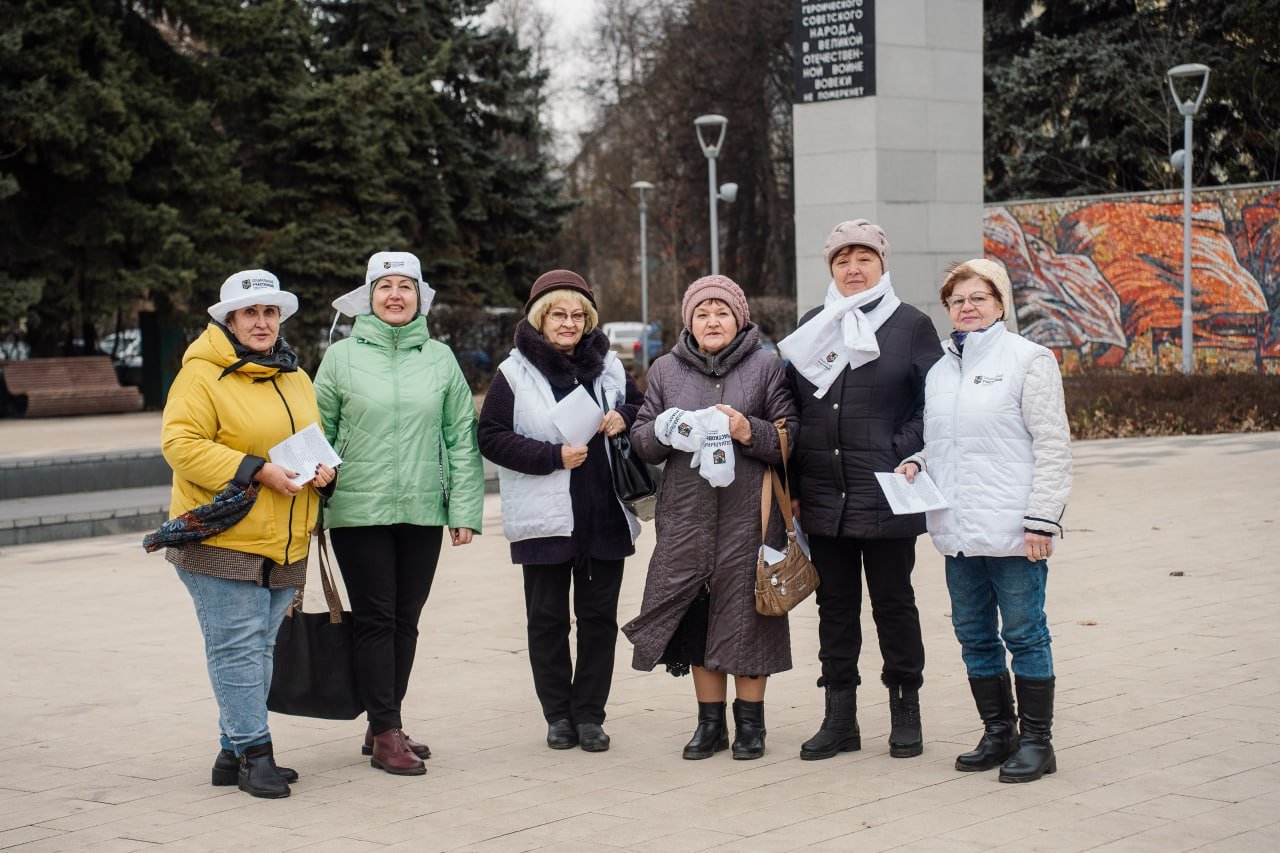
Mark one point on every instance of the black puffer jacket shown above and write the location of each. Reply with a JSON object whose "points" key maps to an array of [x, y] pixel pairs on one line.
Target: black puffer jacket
{"points": [[870, 420]]}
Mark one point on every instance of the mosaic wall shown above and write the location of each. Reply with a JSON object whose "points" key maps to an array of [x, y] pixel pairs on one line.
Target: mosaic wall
{"points": [[1099, 280]]}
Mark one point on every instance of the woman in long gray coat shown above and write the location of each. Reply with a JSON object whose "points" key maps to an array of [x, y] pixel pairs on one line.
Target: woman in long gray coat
{"points": [[712, 403]]}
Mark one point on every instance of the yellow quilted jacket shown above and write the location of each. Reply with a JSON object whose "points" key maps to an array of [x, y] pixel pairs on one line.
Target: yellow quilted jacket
{"points": [[211, 422]]}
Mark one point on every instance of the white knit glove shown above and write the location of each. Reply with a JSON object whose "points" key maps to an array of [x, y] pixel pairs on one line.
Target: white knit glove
{"points": [[680, 430]]}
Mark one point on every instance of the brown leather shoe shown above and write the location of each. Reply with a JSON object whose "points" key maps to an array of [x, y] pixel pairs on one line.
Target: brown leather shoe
{"points": [[419, 749], [392, 754]]}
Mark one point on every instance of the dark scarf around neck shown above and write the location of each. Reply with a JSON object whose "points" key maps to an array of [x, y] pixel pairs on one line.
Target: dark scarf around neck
{"points": [[718, 364], [582, 366], [281, 357]]}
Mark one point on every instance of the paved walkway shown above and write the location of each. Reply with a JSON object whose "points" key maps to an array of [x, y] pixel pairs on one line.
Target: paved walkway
{"points": [[22, 438], [1163, 604]]}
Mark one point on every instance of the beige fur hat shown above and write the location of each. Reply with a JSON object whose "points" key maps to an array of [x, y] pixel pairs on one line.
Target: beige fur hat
{"points": [[857, 232], [995, 273]]}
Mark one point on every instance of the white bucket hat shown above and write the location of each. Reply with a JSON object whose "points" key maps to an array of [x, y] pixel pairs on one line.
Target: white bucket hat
{"points": [[253, 287], [360, 301]]}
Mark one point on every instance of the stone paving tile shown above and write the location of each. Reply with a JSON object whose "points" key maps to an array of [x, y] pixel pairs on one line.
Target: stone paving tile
{"points": [[992, 832], [1266, 838], [1167, 727], [21, 835]]}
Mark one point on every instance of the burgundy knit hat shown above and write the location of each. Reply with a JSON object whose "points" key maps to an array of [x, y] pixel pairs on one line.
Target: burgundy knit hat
{"points": [[559, 280], [715, 287]]}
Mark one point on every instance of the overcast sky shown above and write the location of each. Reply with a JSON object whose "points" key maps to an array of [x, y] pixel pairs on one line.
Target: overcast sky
{"points": [[569, 113]]}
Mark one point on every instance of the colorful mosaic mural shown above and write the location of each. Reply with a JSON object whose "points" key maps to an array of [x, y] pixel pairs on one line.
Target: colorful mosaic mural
{"points": [[1099, 279]]}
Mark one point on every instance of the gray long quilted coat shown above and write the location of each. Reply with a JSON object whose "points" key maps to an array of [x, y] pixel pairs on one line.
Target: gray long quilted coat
{"points": [[707, 534]]}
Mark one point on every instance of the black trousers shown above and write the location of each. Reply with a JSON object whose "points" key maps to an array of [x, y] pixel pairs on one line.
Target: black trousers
{"points": [[388, 570], [888, 563], [565, 692]]}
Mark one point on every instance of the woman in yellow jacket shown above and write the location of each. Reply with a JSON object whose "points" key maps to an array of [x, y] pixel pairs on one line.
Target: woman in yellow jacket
{"points": [[240, 393]]}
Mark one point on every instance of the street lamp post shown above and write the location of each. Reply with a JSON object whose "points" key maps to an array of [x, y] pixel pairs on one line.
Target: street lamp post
{"points": [[727, 192], [1188, 108], [640, 187]]}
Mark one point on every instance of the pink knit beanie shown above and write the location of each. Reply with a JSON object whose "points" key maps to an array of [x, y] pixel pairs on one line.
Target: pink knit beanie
{"points": [[715, 287], [857, 232]]}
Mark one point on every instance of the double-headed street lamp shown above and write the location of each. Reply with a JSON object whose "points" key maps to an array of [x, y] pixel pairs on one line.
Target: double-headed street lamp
{"points": [[640, 187], [1182, 158], [727, 192]]}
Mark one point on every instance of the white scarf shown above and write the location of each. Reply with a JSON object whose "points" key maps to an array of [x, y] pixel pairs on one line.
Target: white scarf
{"points": [[841, 335]]}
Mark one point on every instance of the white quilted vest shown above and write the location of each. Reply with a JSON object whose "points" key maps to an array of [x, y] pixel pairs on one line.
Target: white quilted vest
{"points": [[978, 448], [539, 505]]}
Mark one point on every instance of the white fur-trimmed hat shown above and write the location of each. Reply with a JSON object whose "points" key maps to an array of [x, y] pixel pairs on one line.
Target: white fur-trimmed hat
{"points": [[252, 287], [353, 303]]}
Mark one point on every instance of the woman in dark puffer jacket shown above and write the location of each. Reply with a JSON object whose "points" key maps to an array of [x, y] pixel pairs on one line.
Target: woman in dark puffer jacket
{"points": [[857, 371]]}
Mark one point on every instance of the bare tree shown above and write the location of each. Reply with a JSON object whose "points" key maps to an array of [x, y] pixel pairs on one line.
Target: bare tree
{"points": [[656, 66]]}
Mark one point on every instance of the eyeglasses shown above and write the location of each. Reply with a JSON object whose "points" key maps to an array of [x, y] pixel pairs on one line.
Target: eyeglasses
{"points": [[560, 317], [977, 300]]}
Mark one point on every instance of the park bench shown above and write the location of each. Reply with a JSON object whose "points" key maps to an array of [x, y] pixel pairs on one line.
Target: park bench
{"points": [[67, 386]]}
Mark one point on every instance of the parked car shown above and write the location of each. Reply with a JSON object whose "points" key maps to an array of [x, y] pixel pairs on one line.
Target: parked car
{"points": [[624, 339]]}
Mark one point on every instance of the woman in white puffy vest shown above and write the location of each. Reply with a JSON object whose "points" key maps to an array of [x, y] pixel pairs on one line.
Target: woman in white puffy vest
{"points": [[998, 446], [559, 510]]}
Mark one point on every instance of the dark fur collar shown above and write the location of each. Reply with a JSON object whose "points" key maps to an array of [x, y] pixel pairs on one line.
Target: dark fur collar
{"points": [[584, 365]]}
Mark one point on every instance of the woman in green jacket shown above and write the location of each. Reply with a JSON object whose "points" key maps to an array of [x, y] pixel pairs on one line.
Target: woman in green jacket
{"points": [[396, 407]]}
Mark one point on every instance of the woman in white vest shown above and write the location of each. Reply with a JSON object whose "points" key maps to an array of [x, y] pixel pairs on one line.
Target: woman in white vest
{"points": [[559, 510], [998, 446]]}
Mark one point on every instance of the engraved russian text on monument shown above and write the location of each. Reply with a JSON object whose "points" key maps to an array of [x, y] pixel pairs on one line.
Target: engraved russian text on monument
{"points": [[834, 48]]}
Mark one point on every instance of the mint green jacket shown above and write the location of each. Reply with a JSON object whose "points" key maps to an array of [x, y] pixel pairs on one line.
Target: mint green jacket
{"points": [[397, 409]]}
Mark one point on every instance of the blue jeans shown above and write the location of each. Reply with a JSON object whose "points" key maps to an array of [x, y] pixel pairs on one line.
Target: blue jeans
{"points": [[239, 620], [980, 586]]}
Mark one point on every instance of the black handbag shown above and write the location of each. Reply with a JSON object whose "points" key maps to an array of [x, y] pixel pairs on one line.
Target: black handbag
{"points": [[631, 478], [634, 481], [314, 674]]}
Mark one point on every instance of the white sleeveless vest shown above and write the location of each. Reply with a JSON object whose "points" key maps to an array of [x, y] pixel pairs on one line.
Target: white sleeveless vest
{"points": [[539, 505], [977, 445]]}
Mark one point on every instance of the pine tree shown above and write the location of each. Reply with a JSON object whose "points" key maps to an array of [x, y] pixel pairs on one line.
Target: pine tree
{"points": [[114, 185], [419, 131], [1076, 99]]}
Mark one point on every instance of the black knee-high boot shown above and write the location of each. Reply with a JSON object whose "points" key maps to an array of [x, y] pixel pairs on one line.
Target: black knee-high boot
{"points": [[993, 697], [1034, 757]]}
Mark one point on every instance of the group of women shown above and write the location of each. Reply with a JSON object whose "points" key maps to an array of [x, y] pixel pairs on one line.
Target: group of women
{"points": [[866, 388]]}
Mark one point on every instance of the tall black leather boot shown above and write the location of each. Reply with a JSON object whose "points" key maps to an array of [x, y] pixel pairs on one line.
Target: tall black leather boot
{"points": [[259, 775], [711, 735], [905, 737], [993, 697], [749, 731], [1034, 757], [839, 732]]}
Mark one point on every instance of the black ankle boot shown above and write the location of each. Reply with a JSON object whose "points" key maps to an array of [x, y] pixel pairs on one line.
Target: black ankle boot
{"points": [[839, 732], [749, 731], [905, 738], [226, 769], [1034, 757], [711, 735], [259, 775], [993, 697]]}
